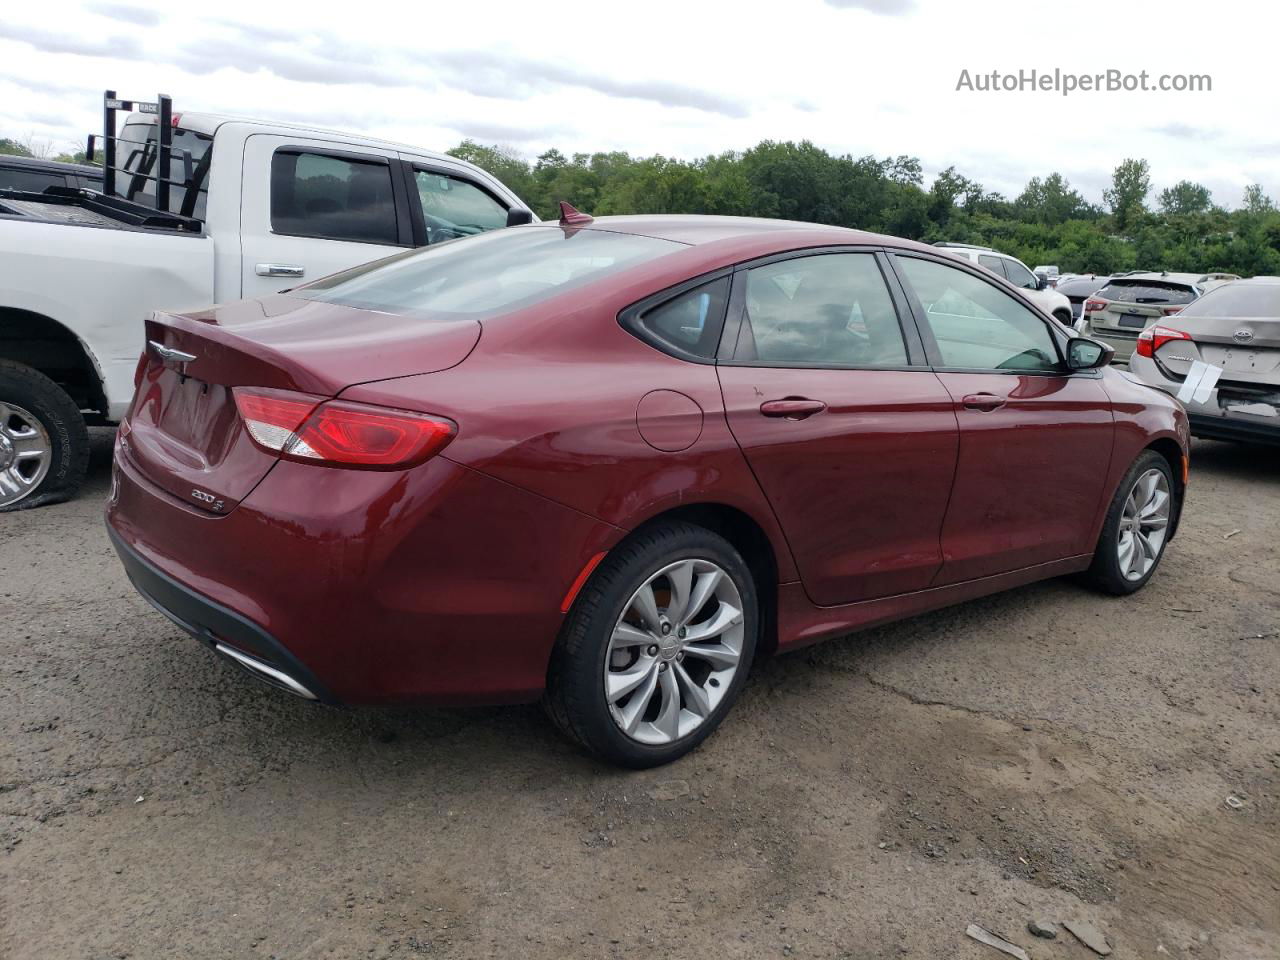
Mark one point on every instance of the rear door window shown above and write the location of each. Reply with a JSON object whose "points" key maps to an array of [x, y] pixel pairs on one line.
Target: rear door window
{"points": [[453, 207], [1147, 291], [827, 310], [332, 198]]}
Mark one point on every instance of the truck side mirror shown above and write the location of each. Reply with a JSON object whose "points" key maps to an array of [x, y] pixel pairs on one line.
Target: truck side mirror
{"points": [[516, 217]]}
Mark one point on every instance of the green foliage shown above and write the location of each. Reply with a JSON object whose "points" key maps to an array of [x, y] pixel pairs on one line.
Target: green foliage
{"points": [[1130, 184], [1048, 222], [1185, 197], [13, 148]]}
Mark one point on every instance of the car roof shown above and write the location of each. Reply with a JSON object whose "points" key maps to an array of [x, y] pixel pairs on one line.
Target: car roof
{"points": [[52, 166], [1261, 281], [756, 232], [1190, 279]]}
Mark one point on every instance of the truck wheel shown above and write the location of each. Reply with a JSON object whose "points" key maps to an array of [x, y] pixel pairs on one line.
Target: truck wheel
{"points": [[44, 445]]}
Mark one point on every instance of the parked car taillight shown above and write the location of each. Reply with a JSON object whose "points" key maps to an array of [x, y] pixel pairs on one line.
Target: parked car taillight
{"points": [[310, 429], [1170, 311], [1094, 306], [1153, 338]]}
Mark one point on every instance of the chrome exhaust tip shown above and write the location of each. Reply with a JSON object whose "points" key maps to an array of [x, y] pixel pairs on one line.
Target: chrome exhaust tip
{"points": [[265, 672]]}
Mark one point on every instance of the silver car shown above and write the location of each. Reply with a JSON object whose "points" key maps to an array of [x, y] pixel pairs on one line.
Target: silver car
{"points": [[1221, 357], [1117, 313]]}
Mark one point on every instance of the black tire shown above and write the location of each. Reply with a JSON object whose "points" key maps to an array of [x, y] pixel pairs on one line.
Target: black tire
{"points": [[575, 697], [1105, 573], [61, 419]]}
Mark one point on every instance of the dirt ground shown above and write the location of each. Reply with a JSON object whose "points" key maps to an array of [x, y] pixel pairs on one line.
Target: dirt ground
{"points": [[1048, 753]]}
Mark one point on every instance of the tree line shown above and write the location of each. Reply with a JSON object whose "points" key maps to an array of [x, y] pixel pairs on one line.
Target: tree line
{"points": [[1177, 229]]}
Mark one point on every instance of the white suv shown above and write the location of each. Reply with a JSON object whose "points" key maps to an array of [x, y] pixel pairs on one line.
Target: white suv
{"points": [[1016, 272]]}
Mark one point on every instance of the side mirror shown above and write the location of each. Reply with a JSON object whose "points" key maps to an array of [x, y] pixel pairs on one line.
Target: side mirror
{"points": [[1085, 354], [517, 217], [1042, 281]]}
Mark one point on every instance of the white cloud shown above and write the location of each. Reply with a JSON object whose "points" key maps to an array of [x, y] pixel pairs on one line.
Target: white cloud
{"points": [[678, 78]]}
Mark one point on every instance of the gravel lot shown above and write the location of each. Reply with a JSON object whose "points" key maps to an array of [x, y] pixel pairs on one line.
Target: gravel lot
{"points": [[1047, 753]]}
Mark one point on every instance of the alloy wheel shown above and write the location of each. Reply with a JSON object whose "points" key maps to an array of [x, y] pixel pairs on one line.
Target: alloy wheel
{"points": [[1144, 524], [25, 453], [674, 651]]}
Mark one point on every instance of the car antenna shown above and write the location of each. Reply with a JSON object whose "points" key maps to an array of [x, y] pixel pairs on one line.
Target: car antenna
{"points": [[569, 217]]}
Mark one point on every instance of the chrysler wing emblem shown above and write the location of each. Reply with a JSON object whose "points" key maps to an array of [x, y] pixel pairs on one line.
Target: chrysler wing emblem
{"points": [[1243, 335], [169, 353]]}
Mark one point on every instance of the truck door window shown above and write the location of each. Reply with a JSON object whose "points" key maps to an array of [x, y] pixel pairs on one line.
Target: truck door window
{"points": [[452, 207], [331, 198]]}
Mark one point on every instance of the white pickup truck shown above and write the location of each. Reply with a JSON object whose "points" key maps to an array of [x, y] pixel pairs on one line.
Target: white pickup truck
{"points": [[251, 208]]}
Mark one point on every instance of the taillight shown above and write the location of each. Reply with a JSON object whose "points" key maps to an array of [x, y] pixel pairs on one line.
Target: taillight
{"points": [[309, 429], [1153, 338], [1094, 306], [1170, 311]]}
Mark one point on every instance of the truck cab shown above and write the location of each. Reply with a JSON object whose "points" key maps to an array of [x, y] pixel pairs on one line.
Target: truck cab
{"points": [[307, 202]]}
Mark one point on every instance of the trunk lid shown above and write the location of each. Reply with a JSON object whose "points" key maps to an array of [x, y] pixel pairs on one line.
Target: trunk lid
{"points": [[1247, 349], [184, 433]]}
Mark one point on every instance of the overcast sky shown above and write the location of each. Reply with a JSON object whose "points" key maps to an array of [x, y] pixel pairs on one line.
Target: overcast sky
{"points": [[684, 78]]}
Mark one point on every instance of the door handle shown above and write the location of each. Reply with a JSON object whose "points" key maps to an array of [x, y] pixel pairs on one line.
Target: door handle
{"points": [[279, 270], [983, 401], [792, 408]]}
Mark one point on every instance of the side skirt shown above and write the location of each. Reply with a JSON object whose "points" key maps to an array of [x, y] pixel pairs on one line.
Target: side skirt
{"points": [[800, 623]]}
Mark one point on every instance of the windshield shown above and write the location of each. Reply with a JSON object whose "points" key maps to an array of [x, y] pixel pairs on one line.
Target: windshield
{"points": [[1147, 291], [142, 159], [1238, 300], [489, 273]]}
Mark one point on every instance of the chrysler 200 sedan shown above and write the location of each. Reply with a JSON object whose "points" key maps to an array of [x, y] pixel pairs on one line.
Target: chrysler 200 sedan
{"points": [[608, 463]]}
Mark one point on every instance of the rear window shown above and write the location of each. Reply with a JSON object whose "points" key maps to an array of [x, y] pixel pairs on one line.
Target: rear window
{"points": [[1238, 300], [1147, 291], [1079, 288], [140, 154], [488, 274]]}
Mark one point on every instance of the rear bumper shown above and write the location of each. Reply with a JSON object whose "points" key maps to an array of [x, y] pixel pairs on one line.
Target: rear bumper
{"points": [[1233, 428], [435, 585], [220, 628], [1209, 420]]}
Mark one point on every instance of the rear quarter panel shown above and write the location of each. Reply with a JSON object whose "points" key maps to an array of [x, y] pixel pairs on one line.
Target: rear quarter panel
{"points": [[548, 402]]}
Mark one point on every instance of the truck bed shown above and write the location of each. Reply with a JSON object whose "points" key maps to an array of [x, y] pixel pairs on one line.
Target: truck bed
{"points": [[88, 208]]}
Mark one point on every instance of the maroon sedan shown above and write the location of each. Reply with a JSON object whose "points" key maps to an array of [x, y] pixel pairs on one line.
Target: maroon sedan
{"points": [[607, 463]]}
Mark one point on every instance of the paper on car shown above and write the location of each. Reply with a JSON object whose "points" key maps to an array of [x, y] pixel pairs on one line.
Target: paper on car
{"points": [[1201, 379]]}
